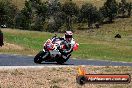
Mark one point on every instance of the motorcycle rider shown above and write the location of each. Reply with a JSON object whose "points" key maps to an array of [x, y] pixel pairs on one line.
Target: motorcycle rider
{"points": [[69, 42]]}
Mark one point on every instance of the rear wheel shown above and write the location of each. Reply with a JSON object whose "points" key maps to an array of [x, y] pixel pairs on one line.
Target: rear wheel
{"points": [[38, 57], [61, 60]]}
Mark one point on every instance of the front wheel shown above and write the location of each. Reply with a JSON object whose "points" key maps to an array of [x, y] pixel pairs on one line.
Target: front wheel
{"points": [[38, 57]]}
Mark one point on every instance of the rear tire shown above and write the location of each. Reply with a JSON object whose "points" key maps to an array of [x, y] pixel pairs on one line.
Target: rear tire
{"points": [[38, 57], [61, 60]]}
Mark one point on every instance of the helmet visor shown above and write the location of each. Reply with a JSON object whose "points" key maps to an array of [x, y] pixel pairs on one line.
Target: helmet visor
{"points": [[68, 36]]}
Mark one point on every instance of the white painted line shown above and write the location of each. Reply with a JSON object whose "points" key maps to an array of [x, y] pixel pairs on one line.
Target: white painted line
{"points": [[105, 60], [16, 54], [33, 67], [42, 67]]}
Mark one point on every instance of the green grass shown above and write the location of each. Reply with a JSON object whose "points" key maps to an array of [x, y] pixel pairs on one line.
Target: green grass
{"points": [[99, 44], [29, 39], [104, 52]]}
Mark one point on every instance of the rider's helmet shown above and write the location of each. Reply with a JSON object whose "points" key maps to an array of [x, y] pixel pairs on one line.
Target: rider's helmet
{"points": [[68, 35]]}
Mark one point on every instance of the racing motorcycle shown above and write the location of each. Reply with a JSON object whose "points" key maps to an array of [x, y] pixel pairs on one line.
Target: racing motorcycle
{"points": [[53, 51]]}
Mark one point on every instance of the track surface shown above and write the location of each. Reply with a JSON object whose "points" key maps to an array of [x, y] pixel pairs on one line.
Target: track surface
{"points": [[18, 60]]}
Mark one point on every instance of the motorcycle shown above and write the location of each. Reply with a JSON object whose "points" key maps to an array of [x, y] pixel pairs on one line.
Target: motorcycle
{"points": [[53, 51]]}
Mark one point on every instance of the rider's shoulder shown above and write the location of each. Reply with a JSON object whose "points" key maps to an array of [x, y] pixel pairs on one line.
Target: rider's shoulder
{"points": [[72, 41]]}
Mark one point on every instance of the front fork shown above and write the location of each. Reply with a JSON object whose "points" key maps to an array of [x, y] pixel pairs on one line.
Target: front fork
{"points": [[45, 55]]}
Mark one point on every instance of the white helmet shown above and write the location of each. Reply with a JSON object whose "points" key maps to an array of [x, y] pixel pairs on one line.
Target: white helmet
{"points": [[68, 34]]}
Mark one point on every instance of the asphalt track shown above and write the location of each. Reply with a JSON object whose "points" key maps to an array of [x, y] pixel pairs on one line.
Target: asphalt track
{"points": [[19, 60]]}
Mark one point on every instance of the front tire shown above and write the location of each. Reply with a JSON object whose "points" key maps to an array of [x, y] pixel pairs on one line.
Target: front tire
{"points": [[38, 57]]}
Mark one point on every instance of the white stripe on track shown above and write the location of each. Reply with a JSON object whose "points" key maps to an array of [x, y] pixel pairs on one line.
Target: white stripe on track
{"points": [[34, 67]]}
